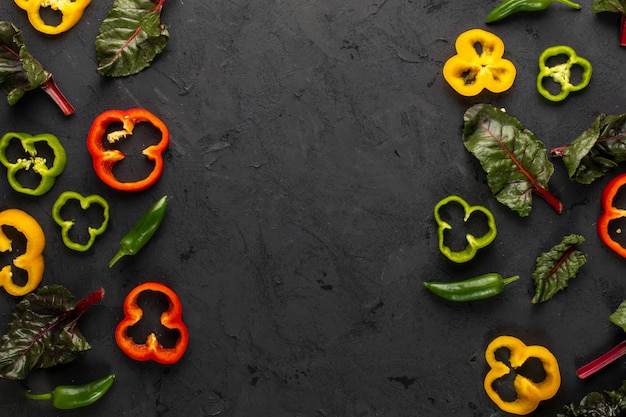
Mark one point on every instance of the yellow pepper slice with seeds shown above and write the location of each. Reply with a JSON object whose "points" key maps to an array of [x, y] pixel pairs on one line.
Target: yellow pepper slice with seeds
{"points": [[479, 64], [71, 12]]}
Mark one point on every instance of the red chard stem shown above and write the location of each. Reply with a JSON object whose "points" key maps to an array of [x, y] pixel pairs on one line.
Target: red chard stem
{"points": [[51, 88], [602, 361]]}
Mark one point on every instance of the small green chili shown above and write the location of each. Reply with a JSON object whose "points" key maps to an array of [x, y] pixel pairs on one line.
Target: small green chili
{"points": [[142, 231], [65, 397], [509, 7], [477, 288]]}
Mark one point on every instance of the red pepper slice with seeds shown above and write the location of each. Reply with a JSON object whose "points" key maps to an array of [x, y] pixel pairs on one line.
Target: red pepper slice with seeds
{"points": [[610, 213], [104, 159], [152, 349]]}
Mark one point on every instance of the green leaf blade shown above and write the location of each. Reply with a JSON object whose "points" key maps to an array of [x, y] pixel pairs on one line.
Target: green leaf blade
{"points": [[42, 333], [130, 37], [19, 70], [597, 150], [555, 268], [515, 161]]}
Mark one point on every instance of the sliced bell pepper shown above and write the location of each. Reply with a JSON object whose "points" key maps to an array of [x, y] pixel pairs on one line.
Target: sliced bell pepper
{"points": [[611, 213], [31, 260], [561, 73], [529, 392], [37, 163], [171, 319], [104, 160], [71, 11], [473, 243], [475, 68], [67, 225]]}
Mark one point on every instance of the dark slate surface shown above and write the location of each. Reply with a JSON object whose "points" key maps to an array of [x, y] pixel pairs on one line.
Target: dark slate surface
{"points": [[310, 142]]}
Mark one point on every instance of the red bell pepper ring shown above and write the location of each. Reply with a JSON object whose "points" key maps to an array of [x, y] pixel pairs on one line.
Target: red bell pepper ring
{"points": [[104, 159], [610, 213], [171, 319]]}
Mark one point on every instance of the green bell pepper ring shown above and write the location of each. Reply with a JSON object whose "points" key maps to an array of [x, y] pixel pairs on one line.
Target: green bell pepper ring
{"points": [[561, 73], [473, 243], [66, 225], [37, 163]]}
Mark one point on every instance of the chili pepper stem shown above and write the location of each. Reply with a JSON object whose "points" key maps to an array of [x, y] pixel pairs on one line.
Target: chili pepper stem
{"points": [[120, 254], [51, 88], [602, 361], [510, 279], [569, 3], [45, 396]]}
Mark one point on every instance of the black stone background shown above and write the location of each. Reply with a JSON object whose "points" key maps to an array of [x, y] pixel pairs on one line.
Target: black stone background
{"points": [[310, 143]]}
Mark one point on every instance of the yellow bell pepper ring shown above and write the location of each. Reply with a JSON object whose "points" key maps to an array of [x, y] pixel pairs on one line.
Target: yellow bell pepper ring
{"points": [[528, 391], [479, 64], [30, 260], [71, 12]]}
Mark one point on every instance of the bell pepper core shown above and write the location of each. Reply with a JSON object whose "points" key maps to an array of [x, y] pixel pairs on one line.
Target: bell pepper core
{"points": [[610, 213], [103, 159], [31, 260], [171, 319], [71, 10], [36, 163], [471, 70], [66, 225], [529, 393], [561, 73], [473, 243]]}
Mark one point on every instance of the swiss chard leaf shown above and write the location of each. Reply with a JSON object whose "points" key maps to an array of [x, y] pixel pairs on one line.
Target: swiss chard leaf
{"points": [[619, 316], [130, 37], [43, 331], [515, 161], [597, 150], [21, 72], [556, 267], [616, 6], [598, 404]]}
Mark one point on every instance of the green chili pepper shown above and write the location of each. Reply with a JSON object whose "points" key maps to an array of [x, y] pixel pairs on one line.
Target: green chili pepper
{"points": [[37, 163], [142, 231], [473, 243], [67, 397], [561, 73], [477, 288], [509, 7], [66, 225]]}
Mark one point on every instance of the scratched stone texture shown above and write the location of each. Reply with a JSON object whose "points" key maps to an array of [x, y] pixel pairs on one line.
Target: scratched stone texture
{"points": [[310, 141]]}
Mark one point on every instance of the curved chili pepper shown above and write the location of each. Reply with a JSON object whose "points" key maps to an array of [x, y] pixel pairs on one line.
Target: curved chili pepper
{"points": [[104, 160], [171, 319], [476, 288], [66, 225], [473, 243], [71, 11], [561, 73], [529, 393], [31, 260], [67, 397], [37, 163], [610, 213], [509, 7], [142, 231], [473, 69]]}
